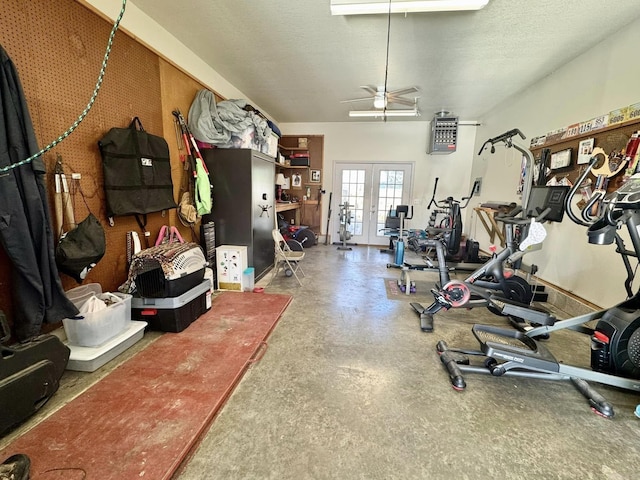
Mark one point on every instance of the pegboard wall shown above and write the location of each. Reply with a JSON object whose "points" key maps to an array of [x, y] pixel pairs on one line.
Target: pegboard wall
{"points": [[611, 138], [57, 47]]}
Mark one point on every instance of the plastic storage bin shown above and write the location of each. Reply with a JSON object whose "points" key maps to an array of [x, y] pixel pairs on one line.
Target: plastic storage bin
{"points": [[81, 294], [173, 314], [93, 329], [153, 283]]}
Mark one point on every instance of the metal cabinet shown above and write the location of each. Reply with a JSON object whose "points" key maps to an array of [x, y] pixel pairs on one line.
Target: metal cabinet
{"points": [[243, 202]]}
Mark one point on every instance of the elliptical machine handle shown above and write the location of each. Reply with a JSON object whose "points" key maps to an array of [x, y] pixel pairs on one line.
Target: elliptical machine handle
{"points": [[586, 216], [574, 189], [468, 199], [433, 197]]}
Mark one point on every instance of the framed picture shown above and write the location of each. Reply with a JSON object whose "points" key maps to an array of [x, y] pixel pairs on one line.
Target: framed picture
{"points": [[296, 180], [315, 176], [585, 149], [561, 159]]}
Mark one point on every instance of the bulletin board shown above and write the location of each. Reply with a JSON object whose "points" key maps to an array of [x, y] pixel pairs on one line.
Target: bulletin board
{"points": [[57, 47]]}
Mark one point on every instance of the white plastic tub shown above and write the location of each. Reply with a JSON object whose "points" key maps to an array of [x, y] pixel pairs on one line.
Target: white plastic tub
{"points": [[81, 294], [93, 329]]}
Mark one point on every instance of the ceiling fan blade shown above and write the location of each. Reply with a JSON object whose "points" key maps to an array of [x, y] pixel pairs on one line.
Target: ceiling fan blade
{"points": [[356, 100], [403, 91], [401, 101], [370, 89]]}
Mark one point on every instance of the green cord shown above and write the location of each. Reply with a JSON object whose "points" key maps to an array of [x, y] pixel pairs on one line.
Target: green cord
{"points": [[86, 109]]}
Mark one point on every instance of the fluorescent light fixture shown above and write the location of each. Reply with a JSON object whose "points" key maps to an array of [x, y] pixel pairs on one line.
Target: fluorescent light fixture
{"points": [[366, 7], [385, 113]]}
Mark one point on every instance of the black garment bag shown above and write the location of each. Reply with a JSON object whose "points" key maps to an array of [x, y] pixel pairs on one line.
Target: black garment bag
{"points": [[137, 171]]}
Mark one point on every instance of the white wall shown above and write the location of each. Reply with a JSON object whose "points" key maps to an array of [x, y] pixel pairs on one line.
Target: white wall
{"points": [[602, 79], [376, 141]]}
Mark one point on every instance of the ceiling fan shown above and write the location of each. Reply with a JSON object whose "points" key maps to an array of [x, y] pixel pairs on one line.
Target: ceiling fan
{"points": [[381, 98]]}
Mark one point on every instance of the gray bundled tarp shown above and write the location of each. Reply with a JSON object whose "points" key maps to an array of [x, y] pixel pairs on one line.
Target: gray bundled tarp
{"points": [[224, 123]]}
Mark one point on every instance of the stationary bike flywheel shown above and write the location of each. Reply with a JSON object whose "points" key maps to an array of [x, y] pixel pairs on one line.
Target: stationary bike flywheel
{"points": [[519, 290], [457, 293]]}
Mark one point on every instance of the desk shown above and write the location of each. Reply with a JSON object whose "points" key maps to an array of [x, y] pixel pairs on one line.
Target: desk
{"points": [[292, 208], [487, 217]]}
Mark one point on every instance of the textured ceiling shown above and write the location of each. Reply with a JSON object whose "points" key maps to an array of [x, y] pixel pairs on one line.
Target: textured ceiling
{"points": [[297, 61]]}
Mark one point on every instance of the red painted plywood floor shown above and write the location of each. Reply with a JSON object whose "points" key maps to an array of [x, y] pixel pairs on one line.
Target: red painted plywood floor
{"points": [[144, 418]]}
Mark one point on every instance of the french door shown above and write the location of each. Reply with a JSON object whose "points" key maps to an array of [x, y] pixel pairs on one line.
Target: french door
{"points": [[371, 190]]}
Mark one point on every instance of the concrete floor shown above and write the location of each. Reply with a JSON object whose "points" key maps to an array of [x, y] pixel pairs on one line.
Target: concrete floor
{"points": [[351, 388]]}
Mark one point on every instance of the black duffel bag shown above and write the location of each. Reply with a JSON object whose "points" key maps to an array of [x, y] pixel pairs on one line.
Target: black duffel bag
{"points": [[137, 171]]}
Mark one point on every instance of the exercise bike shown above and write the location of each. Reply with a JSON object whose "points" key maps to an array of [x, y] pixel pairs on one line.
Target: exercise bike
{"points": [[394, 226], [496, 277], [615, 340]]}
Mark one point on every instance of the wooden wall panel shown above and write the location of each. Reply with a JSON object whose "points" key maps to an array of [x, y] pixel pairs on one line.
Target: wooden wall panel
{"points": [[178, 91], [58, 47]]}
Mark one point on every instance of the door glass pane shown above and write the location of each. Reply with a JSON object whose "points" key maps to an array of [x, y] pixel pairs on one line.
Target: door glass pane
{"points": [[353, 192], [389, 195]]}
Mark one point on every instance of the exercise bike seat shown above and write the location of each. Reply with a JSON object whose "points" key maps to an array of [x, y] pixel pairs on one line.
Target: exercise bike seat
{"points": [[522, 310]]}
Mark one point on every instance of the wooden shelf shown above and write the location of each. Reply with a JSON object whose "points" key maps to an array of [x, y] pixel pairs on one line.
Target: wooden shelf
{"points": [[294, 149], [632, 124], [310, 213], [284, 206], [290, 167]]}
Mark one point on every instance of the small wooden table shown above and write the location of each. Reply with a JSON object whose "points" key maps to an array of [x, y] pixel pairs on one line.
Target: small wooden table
{"points": [[293, 207]]}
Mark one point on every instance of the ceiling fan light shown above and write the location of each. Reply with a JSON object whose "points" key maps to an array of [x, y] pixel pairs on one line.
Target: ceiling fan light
{"points": [[380, 101], [366, 7]]}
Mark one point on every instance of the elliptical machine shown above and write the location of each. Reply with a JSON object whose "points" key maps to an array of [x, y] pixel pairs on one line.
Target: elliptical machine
{"points": [[445, 224], [615, 340]]}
